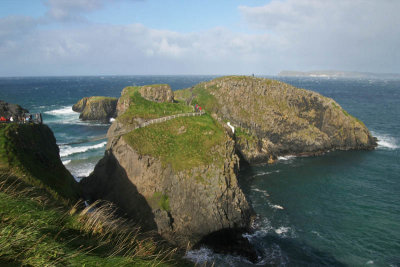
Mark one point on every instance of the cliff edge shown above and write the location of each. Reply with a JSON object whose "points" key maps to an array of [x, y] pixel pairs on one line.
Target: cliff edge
{"points": [[29, 151]]}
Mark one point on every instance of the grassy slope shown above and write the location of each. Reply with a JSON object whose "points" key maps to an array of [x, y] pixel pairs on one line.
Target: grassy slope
{"points": [[142, 108], [184, 142], [35, 231], [38, 227], [30, 151]]}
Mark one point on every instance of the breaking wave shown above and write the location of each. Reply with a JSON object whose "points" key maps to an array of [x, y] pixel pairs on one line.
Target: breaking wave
{"points": [[385, 141], [69, 150]]}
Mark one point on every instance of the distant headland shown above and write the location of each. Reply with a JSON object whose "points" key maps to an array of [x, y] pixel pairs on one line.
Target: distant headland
{"points": [[339, 74]]}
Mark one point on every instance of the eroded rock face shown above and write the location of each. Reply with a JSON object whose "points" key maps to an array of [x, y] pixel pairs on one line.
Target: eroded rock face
{"points": [[157, 93], [80, 105], [182, 206], [274, 118], [97, 108]]}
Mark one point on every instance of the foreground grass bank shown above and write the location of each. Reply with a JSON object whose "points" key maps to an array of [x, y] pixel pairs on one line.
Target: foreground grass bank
{"points": [[36, 231]]}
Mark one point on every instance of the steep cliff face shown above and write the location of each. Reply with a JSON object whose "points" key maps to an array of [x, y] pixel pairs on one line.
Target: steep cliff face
{"points": [[177, 177], [273, 118], [97, 108], [30, 152]]}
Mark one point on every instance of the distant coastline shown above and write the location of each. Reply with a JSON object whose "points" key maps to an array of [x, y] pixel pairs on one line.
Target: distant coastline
{"points": [[339, 74]]}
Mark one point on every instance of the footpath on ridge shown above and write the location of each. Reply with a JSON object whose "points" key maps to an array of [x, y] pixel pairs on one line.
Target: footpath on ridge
{"points": [[154, 121]]}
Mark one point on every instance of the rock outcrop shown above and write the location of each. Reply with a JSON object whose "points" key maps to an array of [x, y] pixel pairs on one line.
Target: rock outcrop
{"points": [[8, 110], [273, 118], [30, 152], [160, 93], [97, 108], [177, 177]]}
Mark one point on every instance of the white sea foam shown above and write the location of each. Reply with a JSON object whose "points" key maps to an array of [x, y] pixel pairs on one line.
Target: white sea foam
{"points": [[385, 141], [112, 119], [64, 111], [287, 157], [264, 192], [69, 150], [282, 230], [370, 262], [83, 170], [265, 173], [65, 162], [316, 233], [277, 207], [206, 257], [199, 256]]}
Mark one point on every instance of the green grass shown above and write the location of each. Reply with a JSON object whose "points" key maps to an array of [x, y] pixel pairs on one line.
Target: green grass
{"points": [[160, 201], [30, 151], [184, 143], [102, 98], [348, 115], [242, 135], [146, 109], [35, 231], [203, 98]]}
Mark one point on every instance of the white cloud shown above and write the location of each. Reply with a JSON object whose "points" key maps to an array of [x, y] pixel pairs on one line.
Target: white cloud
{"points": [[293, 34], [335, 34], [135, 49]]}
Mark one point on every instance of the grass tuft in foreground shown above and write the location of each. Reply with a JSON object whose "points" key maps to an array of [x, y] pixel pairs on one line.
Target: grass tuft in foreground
{"points": [[35, 231]]}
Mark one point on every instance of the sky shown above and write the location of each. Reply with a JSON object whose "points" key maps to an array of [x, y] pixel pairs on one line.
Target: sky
{"points": [[218, 37]]}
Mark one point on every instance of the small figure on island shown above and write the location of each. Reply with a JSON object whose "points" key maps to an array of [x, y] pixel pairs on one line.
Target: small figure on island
{"points": [[196, 107], [11, 119], [200, 109], [30, 117], [2, 119], [40, 118]]}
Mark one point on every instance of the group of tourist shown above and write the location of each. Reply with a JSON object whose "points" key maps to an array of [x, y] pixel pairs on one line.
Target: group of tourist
{"points": [[26, 118], [197, 108]]}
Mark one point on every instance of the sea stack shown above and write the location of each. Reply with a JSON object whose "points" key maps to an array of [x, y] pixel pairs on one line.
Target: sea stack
{"points": [[96, 108]]}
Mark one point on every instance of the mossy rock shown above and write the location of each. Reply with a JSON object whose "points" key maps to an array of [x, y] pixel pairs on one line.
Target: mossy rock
{"points": [[96, 108], [30, 152]]}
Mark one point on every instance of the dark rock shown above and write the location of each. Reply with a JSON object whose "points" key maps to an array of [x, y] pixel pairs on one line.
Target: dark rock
{"points": [[96, 108], [229, 241], [8, 110]]}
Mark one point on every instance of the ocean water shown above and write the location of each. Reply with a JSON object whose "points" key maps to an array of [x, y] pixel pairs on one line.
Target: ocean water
{"points": [[340, 209]]}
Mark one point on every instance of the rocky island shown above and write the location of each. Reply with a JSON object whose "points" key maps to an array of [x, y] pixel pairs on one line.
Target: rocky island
{"points": [[273, 118], [96, 108]]}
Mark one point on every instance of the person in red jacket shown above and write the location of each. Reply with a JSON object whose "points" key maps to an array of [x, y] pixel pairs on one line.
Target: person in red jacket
{"points": [[2, 119]]}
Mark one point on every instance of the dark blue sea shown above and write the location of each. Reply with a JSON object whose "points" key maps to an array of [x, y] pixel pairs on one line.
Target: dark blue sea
{"points": [[340, 209]]}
